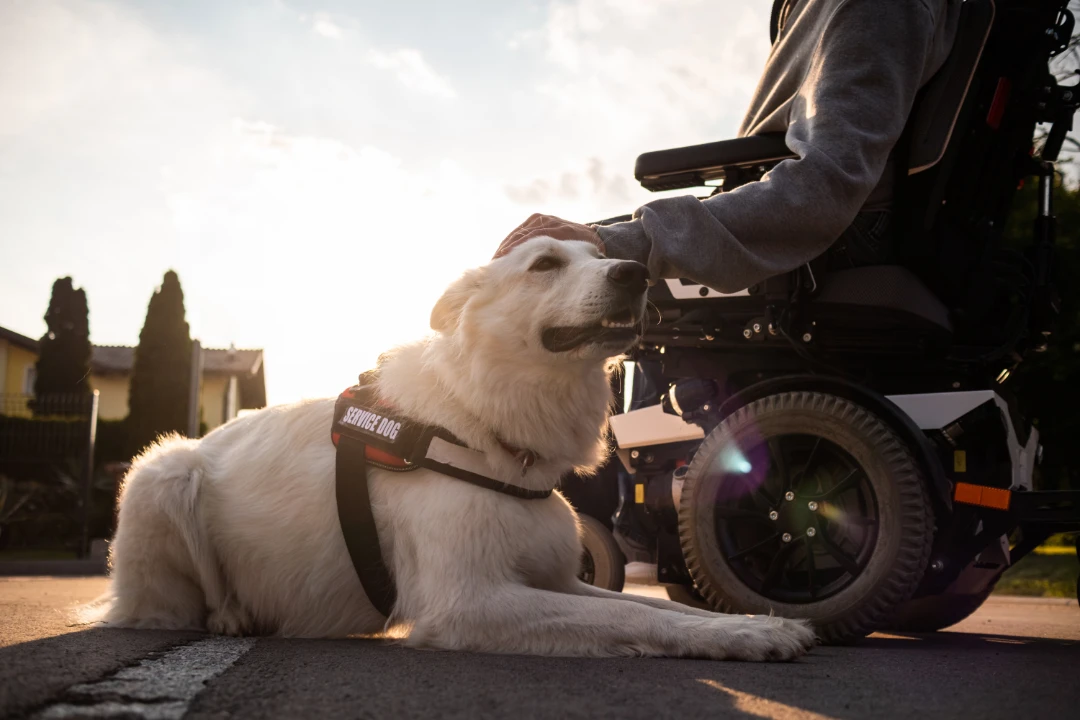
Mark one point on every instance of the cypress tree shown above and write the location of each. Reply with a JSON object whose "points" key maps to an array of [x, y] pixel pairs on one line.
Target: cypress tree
{"points": [[158, 398], [63, 364]]}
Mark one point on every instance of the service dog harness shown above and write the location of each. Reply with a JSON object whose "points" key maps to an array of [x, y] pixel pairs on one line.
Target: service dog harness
{"points": [[367, 430]]}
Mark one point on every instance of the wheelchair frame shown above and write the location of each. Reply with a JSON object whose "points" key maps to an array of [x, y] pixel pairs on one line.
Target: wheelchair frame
{"points": [[708, 354]]}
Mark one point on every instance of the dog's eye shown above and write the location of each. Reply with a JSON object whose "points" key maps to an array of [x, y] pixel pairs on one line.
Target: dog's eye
{"points": [[545, 263]]}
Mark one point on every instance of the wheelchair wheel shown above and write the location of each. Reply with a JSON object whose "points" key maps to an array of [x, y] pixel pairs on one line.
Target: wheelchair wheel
{"points": [[806, 505], [602, 562]]}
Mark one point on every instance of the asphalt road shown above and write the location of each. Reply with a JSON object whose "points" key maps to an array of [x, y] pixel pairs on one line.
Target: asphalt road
{"points": [[1014, 658]]}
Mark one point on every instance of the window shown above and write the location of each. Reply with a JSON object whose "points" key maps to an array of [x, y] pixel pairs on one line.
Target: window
{"points": [[29, 376]]}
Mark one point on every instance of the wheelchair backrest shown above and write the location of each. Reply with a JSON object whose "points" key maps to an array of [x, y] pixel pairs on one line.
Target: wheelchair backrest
{"points": [[937, 108], [969, 141]]}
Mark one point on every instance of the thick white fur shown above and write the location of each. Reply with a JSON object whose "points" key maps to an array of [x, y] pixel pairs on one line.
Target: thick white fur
{"points": [[238, 533]]}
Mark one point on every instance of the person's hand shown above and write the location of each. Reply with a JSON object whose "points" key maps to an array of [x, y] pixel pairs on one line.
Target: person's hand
{"points": [[549, 226]]}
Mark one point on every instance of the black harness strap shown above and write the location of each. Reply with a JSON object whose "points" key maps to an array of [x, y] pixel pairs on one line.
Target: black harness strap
{"points": [[358, 525], [367, 432], [485, 482]]}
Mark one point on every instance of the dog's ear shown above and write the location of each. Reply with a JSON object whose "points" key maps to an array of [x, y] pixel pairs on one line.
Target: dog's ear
{"points": [[447, 311]]}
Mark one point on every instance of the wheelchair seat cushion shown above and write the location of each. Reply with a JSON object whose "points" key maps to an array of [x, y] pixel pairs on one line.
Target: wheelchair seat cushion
{"points": [[883, 286]]}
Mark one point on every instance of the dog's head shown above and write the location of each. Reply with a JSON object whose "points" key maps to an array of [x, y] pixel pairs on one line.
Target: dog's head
{"points": [[550, 299]]}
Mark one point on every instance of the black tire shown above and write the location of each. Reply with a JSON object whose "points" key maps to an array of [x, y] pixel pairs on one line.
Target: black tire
{"points": [[875, 500], [936, 612], [602, 562]]}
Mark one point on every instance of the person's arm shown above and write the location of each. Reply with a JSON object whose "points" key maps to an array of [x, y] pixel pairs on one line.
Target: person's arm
{"points": [[848, 114]]}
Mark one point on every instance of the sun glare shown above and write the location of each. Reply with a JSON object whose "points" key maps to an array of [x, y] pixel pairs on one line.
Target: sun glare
{"points": [[353, 250]]}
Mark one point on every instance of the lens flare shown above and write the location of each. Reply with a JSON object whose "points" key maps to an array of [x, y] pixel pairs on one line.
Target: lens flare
{"points": [[833, 513], [732, 460]]}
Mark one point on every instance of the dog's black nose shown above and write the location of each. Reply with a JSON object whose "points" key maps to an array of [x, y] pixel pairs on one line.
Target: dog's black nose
{"points": [[630, 275]]}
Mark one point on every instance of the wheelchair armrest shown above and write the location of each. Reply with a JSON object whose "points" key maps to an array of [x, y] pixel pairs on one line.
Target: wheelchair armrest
{"points": [[692, 166]]}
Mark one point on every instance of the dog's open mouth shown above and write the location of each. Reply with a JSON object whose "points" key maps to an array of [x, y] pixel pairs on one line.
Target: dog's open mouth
{"points": [[618, 332]]}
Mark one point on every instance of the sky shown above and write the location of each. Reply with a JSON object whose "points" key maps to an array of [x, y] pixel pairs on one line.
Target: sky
{"points": [[318, 172]]}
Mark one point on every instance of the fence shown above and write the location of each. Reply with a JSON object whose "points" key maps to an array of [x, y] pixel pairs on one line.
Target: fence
{"points": [[55, 433]]}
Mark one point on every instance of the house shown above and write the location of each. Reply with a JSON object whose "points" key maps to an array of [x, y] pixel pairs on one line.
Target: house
{"points": [[232, 379], [18, 357]]}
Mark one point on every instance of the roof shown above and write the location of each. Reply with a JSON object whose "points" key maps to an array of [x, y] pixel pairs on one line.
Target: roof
{"points": [[216, 361], [17, 339], [246, 364], [112, 358]]}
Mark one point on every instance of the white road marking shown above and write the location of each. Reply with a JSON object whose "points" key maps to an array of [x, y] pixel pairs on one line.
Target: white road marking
{"points": [[161, 688]]}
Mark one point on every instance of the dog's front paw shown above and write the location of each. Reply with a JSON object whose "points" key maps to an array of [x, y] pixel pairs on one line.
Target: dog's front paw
{"points": [[773, 639], [229, 620]]}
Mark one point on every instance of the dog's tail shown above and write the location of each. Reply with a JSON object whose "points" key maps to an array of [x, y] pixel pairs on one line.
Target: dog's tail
{"points": [[163, 568]]}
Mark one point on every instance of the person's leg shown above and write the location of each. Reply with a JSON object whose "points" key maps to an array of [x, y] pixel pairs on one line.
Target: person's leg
{"points": [[869, 240]]}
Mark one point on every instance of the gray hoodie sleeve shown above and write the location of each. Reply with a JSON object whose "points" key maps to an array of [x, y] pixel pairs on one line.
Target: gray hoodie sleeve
{"points": [[861, 78]]}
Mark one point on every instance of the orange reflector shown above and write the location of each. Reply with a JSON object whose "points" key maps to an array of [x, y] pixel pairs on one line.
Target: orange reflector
{"points": [[982, 496]]}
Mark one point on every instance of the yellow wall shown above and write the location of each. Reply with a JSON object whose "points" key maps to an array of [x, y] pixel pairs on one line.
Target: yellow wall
{"points": [[212, 399], [18, 359], [113, 402], [113, 389], [113, 398]]}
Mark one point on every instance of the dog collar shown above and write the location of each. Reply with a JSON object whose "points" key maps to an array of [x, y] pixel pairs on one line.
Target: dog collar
{"points": [[527, 458], [397, 443]]}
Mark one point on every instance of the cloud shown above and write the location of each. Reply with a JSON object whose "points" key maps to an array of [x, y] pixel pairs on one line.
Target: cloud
{"points": [[410, 68], [612, 79], [73, 61], [323, 25], [679, 68], [591, 186]]}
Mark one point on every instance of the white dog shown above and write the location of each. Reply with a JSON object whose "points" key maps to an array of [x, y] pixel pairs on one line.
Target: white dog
{"points": [[238, 532]]}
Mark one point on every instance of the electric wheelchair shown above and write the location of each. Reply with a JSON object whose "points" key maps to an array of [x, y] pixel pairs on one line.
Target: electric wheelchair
{"points": [[844, 446]]}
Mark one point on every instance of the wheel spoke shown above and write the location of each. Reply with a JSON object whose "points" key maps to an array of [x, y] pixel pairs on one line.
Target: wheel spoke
{"points": [[730, 513], [850, 480], [776, 454], [756, 546], [760, 495], [809, 461], [811, 567], [776, 567], [837, 553]]}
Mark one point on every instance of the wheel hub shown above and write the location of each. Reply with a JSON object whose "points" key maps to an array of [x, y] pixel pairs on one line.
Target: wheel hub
{"points": [[794, 517], [801, 525]]}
